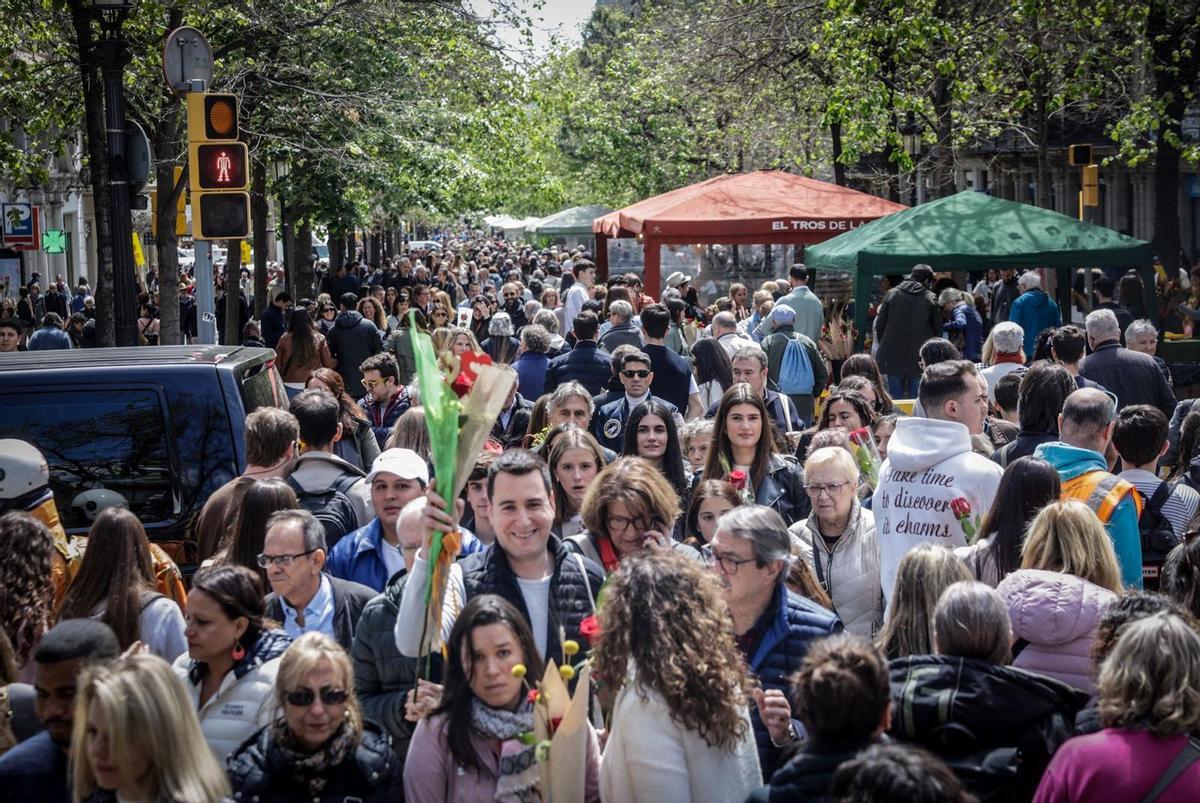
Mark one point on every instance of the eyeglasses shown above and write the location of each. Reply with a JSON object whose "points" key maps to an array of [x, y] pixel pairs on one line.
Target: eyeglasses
{"points": [[622, 523], [831, 489], [303, 698], [632, 374], [370, 384], [728, 565], [266, 561]]}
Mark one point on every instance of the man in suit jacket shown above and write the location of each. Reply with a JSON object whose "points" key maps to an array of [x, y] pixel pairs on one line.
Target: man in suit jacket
{"points": [[585, 363], [304, 597], [608, 425], [1132, 376]]}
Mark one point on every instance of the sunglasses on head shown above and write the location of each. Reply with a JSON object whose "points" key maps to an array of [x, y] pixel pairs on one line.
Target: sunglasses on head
{"points": [[632, 374], [302, 698]]}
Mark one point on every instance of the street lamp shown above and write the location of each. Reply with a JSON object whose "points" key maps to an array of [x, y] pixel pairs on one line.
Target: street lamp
{"points": [[910, 132], [114, 56]]}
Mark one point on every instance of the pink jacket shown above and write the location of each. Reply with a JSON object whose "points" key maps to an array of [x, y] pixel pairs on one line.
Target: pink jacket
{"points": [[432, 776], [1057, 614]]}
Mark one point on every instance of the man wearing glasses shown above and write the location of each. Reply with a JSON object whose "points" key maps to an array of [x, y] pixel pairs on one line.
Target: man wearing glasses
{"points": [[386, 398], [751, 553], [302, 596], [636, 374]]}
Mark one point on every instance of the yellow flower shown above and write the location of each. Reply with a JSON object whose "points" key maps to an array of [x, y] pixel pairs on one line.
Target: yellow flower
{"points": [[570, 647], [567, 671], [518, 671]]}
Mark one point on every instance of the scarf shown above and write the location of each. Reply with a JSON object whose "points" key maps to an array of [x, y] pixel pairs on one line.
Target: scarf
{"points": [[314, 769], [1002, 358], [519, 773]]}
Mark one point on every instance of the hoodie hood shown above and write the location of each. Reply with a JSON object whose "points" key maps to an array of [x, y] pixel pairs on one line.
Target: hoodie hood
{"points": [[919, 443], [347, 320], [916, 288], [1053, 608], [1069, 461]]}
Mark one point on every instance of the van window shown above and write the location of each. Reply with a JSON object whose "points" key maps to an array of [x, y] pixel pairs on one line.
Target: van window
{"points": [[263, 389], [102, 448]]}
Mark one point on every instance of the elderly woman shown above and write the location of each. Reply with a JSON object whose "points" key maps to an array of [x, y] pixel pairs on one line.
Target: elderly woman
{"points": [[1150, 710], [630, 507], [963, 325], [321, 749], [837, 540], [965, 702]]}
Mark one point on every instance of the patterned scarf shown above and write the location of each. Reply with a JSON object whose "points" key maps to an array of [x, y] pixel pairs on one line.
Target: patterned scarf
{"points": [[312, 768], [519, 774]]}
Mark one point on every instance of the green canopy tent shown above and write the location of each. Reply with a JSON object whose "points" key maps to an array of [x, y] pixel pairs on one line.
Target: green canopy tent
{"points": [[971, 231]]}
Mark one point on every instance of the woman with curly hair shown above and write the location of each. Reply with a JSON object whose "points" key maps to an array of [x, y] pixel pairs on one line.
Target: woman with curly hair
{"points": [[372, 310], [1150, 710], [843, 409], [115, 584], [680, 722], [358, 445], [26, 593]]}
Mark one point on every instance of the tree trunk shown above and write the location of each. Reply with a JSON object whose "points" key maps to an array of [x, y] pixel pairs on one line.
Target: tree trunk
{"points": [[304, 262], [258, 222], [166, 244], [374, 244], [337, 251], [839, 169], [290, 248], [233, 292], [97, 150], [943, 162]]}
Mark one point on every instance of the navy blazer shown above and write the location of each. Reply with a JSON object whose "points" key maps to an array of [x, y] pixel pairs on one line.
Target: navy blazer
{"points": [[612, 436], [586, 364]]}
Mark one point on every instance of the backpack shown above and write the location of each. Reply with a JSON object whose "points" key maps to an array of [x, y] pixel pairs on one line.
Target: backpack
{"points": [[1158, 535], [331, 507], [796, 371]]}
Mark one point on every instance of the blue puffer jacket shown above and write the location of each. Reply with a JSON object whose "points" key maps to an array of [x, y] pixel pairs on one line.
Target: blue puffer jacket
{"points": [[794, 622], [358, 556]]}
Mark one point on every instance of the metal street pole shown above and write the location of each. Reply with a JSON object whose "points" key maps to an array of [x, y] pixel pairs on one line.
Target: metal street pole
{"points": [[206, 313], [115, 57]]}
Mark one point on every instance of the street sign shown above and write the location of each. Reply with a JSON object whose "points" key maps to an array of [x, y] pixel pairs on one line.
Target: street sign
{"points": [[54, 241], [20, 226], [187, 57]]}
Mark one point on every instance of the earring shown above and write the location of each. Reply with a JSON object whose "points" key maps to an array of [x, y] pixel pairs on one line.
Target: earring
{"points": [[239, 652]]}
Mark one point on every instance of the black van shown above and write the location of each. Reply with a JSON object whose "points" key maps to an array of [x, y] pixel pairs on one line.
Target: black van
{"points": [[161, 427]]}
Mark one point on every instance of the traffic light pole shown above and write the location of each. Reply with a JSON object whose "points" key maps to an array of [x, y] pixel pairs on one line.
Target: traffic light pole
{"points": [[206, 314], [116, 56]]}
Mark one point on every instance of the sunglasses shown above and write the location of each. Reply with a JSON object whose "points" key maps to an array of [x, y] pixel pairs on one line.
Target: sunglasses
{"points": [[302, 698], [370, 384], [632, 374]]}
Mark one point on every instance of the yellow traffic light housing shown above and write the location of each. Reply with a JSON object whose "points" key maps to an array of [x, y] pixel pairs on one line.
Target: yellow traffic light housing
{"points": [[1079, 155], [1091, 185], [219, 168]]}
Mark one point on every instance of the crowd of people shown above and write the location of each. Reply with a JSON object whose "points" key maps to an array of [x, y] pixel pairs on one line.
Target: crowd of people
{"points": [[959, 565]]}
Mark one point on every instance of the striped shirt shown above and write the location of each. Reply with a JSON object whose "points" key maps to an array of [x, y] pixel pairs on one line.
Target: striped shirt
{"points": [[1180, 507]]}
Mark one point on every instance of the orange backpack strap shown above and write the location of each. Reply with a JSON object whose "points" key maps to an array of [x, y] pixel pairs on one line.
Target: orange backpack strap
{"points": [[1102, 492]]}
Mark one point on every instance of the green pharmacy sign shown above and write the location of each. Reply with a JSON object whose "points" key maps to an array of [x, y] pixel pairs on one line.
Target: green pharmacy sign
{"points": [[54, 241]]}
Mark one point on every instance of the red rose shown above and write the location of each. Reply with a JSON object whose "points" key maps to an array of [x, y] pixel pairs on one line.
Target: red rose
{"points": [[737, 478], [860, 436], [589, 628], [961, 508]]}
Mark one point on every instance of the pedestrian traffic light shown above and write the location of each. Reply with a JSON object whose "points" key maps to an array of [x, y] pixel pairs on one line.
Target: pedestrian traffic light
{"points": [[219, 168]]}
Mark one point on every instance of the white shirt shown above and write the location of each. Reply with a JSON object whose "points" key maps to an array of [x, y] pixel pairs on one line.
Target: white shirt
{"points": [[318, 613], [537, 601], [632, 402], [392, 557]]}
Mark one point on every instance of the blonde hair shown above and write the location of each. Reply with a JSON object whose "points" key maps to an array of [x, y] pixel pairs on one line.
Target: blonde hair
{"points": [[144, 707], [834, 455], [1067, 537], [636, 484], [303, 656], [923, 574], [1151, 679]]}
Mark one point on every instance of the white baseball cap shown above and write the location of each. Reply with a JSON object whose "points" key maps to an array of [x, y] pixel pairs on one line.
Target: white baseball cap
{"points": [[404, 463]]}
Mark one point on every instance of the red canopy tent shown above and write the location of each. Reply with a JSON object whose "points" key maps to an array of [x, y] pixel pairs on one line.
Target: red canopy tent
{"points": [[766, 206]]}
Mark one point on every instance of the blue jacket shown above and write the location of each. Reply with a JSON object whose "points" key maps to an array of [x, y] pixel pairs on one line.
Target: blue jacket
{"points": [[967, 323], [36, 769], [273, 325], [48, 338], [586, 364], [531, 374], [613, 436], [672, 375], [1071, 461], [1034, 311], [792, 623], [357, 556]]}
